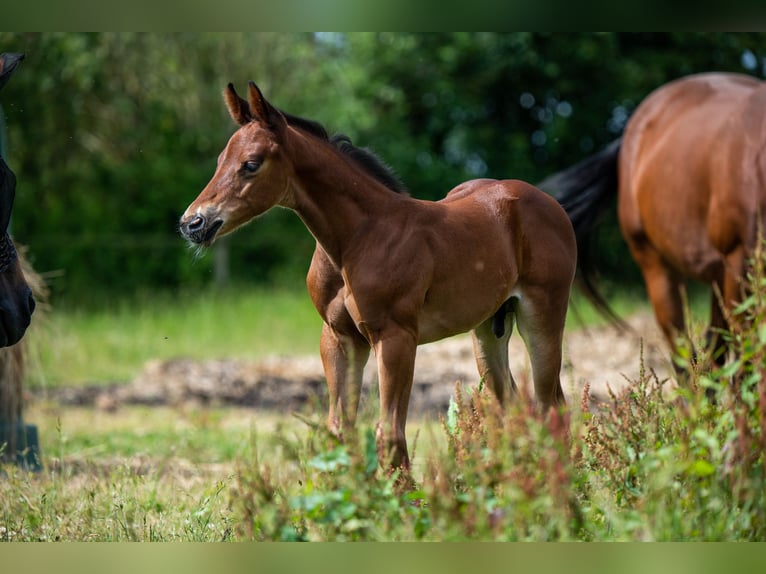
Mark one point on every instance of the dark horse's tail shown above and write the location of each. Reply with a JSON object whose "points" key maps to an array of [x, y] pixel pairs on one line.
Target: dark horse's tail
{"points": [[585, 190]]}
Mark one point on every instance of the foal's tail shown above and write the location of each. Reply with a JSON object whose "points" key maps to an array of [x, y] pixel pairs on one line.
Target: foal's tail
{"points": [[585, 190]]}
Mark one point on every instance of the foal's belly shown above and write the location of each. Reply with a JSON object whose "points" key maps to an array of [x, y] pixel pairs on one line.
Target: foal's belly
{"points": [[467, 289], [460, 311], [435, 329]]}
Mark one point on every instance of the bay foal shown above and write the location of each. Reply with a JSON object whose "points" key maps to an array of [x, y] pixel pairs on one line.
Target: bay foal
{"points": [[391, 272]]}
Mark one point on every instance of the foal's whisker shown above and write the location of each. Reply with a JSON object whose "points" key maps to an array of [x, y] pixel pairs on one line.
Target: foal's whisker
{"points": [[198, 251]]}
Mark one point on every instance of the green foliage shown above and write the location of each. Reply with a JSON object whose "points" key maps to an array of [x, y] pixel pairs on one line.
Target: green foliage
{"points": [[641, 468], [692, 467], [341, 494], [653, 463], [505, 476], [113, 134], [127, 128]]}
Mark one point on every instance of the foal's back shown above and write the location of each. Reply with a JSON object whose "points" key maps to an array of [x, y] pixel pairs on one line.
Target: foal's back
{"points": [[493, 240], [538, 227]]}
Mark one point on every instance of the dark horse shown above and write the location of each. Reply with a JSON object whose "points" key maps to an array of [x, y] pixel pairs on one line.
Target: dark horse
{"points": [[16, 301], [391, 272], [690, 177]]}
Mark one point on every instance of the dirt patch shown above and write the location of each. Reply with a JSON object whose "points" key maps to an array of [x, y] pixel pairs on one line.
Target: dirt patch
{"points": [[597, 356]]}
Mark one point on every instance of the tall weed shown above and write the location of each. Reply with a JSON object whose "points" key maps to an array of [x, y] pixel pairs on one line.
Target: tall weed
{"points": [[658, 461]]}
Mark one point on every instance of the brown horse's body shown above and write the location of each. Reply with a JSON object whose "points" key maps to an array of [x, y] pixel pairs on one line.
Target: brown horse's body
{"points": [[391, 272], [691, 173], [16, 301]]}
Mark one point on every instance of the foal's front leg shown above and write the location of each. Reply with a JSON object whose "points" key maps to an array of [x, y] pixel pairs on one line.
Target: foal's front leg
{"points": [[395, 350], [343, 359]]}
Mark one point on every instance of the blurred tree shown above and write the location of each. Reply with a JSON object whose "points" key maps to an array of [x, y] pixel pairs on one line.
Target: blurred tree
{"points": [[113, 134], [524, 105]]}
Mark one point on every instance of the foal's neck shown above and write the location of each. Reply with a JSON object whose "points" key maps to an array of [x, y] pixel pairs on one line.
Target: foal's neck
{"points": [[333, 195]]}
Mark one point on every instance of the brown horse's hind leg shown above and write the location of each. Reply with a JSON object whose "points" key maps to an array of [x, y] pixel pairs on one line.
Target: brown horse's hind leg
{"points": [[491, 354], [541, 315], [728, 289], [714, 342], [343, 359], [663, 286]]}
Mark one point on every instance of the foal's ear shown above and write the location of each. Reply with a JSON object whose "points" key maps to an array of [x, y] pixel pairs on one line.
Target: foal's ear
{"points": [[261, 109], [238, 108]]}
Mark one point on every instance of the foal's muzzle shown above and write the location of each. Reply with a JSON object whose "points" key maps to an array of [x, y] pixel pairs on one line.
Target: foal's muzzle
{"points": [[198, 229]]}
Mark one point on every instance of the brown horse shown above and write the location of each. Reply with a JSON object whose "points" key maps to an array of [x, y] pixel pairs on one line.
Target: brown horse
{"points": [[391, 272], [16, 300], [690, 178]]}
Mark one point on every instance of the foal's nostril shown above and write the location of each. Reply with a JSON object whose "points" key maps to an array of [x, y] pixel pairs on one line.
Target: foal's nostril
{"points": [[196, 224], [31, 303]]}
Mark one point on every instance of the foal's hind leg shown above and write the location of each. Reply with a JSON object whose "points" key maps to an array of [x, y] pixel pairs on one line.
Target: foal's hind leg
{"points": [[541, 315], [343, 358], [491, 354]]}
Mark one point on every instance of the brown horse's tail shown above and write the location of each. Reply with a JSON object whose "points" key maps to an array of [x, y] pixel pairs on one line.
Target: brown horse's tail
{"points": [[585, 190]]}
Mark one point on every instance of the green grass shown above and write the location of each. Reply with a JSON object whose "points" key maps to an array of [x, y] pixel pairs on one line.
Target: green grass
{"points": [[149, 474], [651, 464], [627, 301], [195, 435], [646, 467], [112, 343]]}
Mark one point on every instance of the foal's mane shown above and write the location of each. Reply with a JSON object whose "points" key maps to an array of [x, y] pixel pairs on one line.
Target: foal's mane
{"points": [[361, 156]]}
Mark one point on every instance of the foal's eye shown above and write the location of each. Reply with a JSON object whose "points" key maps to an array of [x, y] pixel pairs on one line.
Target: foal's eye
{"points": [[251, 166]]}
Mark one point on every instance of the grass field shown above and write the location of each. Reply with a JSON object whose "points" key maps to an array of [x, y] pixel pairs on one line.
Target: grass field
{"points": [[151, 474], [648, 466], [645, 468], [111, 344]]}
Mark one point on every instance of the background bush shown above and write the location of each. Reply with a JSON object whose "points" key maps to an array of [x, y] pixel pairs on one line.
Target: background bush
{"points": [[113, 134]]}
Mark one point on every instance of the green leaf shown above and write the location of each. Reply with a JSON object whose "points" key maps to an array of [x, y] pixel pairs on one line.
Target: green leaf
{"points": [[744, 306], [701, 468], [370, 452], [762, 333], [452, 413], [330, 461], [731, 369]]}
